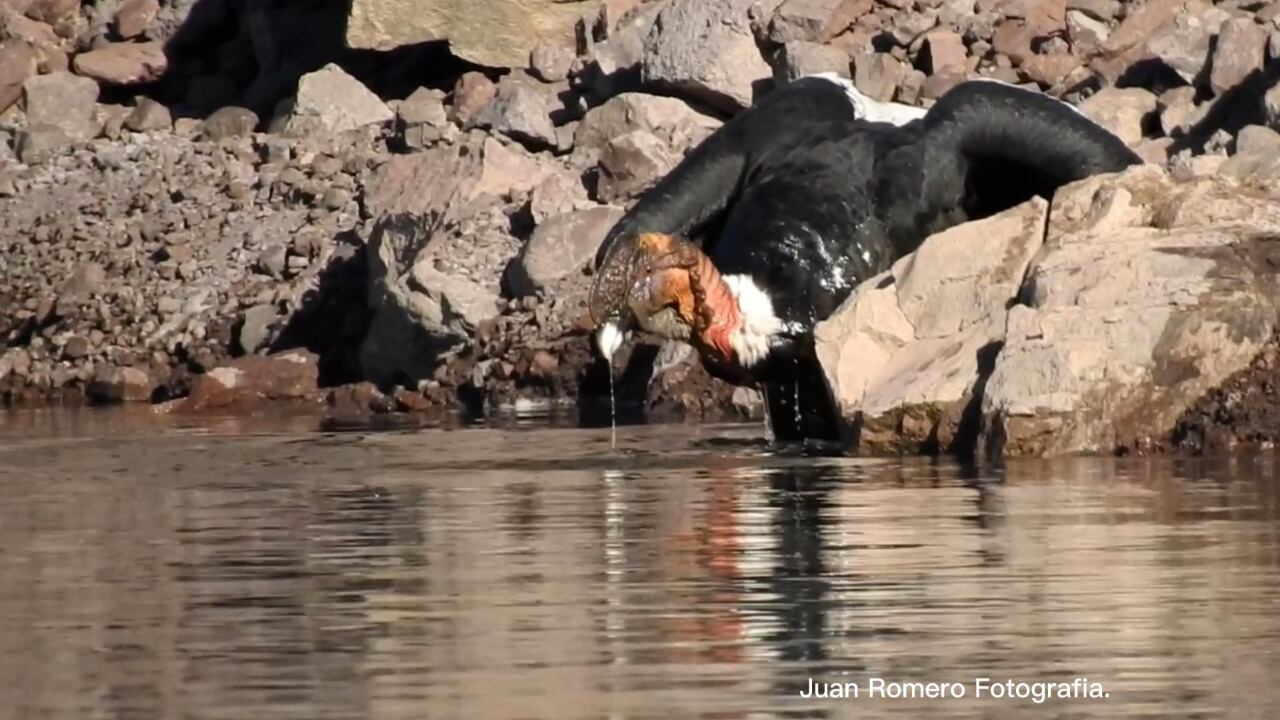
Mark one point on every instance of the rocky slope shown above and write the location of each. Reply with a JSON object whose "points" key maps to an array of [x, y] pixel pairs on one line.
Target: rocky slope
{"points": [[208, 203]]}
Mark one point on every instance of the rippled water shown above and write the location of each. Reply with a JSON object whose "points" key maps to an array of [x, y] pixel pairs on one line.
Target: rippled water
{"points": [[226, 572]]}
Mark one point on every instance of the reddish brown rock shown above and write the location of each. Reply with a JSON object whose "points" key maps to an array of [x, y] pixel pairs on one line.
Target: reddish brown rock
{"points": [[248, 381], [471, 93], [123, 63], [1141, 23], [814, 20], [1050, 70], [944, 51], [1013, 39], [17, 63], [632, 163]]}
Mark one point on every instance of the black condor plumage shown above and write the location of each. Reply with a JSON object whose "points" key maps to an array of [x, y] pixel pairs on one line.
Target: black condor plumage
{"points": [[797, 200]]}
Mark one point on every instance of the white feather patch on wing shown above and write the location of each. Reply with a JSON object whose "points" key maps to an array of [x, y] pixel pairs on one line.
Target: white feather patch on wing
{"points": [[866, 108]]}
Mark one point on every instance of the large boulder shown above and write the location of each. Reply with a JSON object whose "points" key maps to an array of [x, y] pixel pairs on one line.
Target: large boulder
{"points": [[495, 33], [904, 353], [1147, 294], [707, 51]]}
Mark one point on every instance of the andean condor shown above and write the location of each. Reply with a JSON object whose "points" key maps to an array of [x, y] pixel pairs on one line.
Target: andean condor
{"points": [[765, 227]]}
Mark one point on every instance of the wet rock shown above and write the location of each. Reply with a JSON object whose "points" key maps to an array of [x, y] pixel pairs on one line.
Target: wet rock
{"points": [[248, 381], [493, 33], [133, 17], [1123, 111], [706, 51], [358, 399], [632, 163], [1239, 52], [550, 62], [230, 122], [560, 248], [798, 59], [670, 119], [120, 385], [878, 75], [1123, 332], [63, 101], [17, 63], [330, 101], [123, 63], [904, 353], [815, 21], [148, 115], [472, 92], [521, 112]]}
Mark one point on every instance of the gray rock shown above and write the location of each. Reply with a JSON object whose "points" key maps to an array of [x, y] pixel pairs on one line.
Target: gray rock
{"points": [[679, 125], [799, 58], [1178, 112], [273, 259], [1271, 105], [1239, 52], [257, 328], [37, 143], [148, 115], [560, 248], [707, 52], [1148, 293], [133, 17], [464, 304], [631, 163], [330, 101], [230, 122], [120, 385], [558, 193], [813, 20], [424, 106], [1086, 32], [472, 92], [521, 112], [63, 101], [944, 51]]}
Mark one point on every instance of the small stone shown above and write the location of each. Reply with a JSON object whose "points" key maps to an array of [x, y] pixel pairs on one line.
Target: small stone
{"points": [[76, 347], [424, 107], [799, 58], [1123, 111], [1050, 70], [256, 327], [273, 260], [230, 122], [133, 17], [120, 384], [148, 115], [550, 62], [335, 198]]}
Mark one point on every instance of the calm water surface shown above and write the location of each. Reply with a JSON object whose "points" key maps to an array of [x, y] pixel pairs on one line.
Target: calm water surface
{"points": [[230, 572]]}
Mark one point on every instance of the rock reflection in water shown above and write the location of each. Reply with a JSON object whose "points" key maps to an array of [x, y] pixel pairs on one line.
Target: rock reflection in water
{"points": [[483, 574]]}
